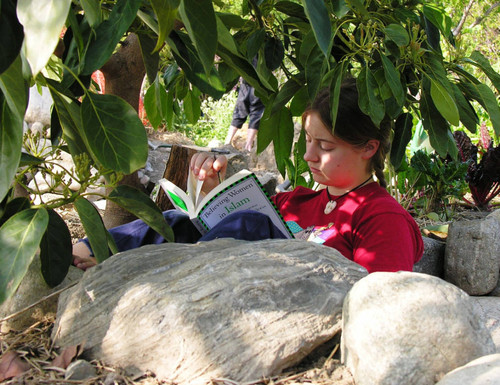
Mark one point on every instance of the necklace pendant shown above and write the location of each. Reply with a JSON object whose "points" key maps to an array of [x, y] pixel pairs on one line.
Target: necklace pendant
{"points": [[330, 206]]}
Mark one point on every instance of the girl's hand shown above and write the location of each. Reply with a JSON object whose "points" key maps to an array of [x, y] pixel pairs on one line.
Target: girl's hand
{"points": [[210, 168]]}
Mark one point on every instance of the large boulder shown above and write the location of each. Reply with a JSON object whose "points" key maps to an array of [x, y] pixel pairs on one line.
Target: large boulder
{"points": [[409, 328], [225, 308]]}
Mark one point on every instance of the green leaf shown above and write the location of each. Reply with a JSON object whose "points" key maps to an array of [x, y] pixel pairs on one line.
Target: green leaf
{"points": [[94, 228], [155, 103], [192, 107], [439, 18], [398, 34], [198, 17], [299, 102], [287, 92], [467, 113], [114, 133], [278, 128], [11, 140], [370, 101], [402, 136], [490, 103], [14, 88], [55, 250], [479, 60], [340, 8], [151, 59], [291, 9], [166, 12], [92, 10], [41, 37], [11, 34], [335, 84], [274, 53], [444, 102], [314, 66], [227, 40], [143, 207], [109, 33], [68, 112], [13, 207], [19, 240], [392, 78], [319, 17], [29, 160]]}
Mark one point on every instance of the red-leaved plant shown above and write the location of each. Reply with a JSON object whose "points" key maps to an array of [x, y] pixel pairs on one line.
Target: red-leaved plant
{"points": [[483, 175]]}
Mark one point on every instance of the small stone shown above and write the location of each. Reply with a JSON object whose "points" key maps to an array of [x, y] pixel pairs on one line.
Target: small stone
{"points": [[80, 370]]}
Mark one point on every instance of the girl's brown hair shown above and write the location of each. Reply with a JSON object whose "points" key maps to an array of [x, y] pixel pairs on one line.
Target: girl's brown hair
{"points": [[352, 125]]}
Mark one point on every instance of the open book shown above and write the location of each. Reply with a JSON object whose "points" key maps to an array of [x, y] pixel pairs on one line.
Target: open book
{"points": [[242, 191]]}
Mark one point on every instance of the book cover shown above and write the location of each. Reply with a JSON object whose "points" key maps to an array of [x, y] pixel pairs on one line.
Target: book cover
{"points": [[242, 191]]}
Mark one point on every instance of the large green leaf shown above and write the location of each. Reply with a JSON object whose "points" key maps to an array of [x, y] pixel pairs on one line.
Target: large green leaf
{"points": [[314, 66], [398, 34], [92, 10], [478, 59], [186, 57], [94, 228], [291, 9], [226, 39], [439, 18], [155, 103], [143, 207], [392, 78], [12, 207], [319, 17], [43, 21], [192, 106], [166, 12], [14, 88], [11, 140], [287, 92], [444, 102], [278, 128], [114, 132], [109, 33], [490, 104], [467, 113], [11, 34], [19, 240], [198, 17], [151, 59], [55, 250], [335, 85], [68, 112], [402, 136], [370, 101]]}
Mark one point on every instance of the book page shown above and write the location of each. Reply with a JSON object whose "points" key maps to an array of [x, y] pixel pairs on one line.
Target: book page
{"points": [[243, 194]]}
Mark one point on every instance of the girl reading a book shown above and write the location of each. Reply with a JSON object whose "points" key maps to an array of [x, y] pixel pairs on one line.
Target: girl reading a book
{"points": [[353, 213]]}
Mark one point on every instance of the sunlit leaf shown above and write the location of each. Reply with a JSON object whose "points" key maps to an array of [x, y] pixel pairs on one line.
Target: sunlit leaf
{"points": [[109, 33], [166, 12], [92, 10], [55, 250], [445, 103], [143, 207], [479, 60], [439, 18], [14, 88], [226, 39], [467, 113], [287, 92], [11, 140], [94, 228], [11, 34], [43, 21], [114, 132], [199, 18], [19, 240], [155, 103], [398, 34], [317, 13], [192, 106]]}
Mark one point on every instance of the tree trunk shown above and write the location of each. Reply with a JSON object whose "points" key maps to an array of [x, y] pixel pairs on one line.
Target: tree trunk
{"points": [[124, 73]]}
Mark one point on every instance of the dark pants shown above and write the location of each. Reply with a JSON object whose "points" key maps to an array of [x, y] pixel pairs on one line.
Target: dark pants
{"points": [[245, 225]]}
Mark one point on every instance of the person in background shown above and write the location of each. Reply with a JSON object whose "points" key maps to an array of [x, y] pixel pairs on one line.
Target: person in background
{"points": [[353, 213]]}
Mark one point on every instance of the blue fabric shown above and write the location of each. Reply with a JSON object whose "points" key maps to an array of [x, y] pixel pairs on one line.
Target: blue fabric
{"points": [[245, 225]]}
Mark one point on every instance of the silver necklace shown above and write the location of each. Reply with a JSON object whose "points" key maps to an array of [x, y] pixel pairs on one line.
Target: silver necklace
{"points": [[332, 203]]}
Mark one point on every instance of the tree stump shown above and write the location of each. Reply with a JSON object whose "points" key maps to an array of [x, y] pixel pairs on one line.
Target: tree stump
{"points": [[176, 171]]}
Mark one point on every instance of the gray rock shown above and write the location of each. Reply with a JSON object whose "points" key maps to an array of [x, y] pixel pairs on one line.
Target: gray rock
{"points": [[39, 106], [80, 370], [224, 308], [488, 310], [472, 255], [432, 261], [409, 328], [482, 371], [31, 290]]}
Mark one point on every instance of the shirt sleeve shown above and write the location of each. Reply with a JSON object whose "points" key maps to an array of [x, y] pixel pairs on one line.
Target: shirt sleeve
{"points": [[387, 242]]}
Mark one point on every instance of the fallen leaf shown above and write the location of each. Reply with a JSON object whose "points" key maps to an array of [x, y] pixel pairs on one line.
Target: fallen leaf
{"points": [[11, 365], [64, 359]]}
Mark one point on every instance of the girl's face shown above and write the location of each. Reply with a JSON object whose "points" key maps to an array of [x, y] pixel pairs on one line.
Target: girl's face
{"points": [[332, 161]]}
